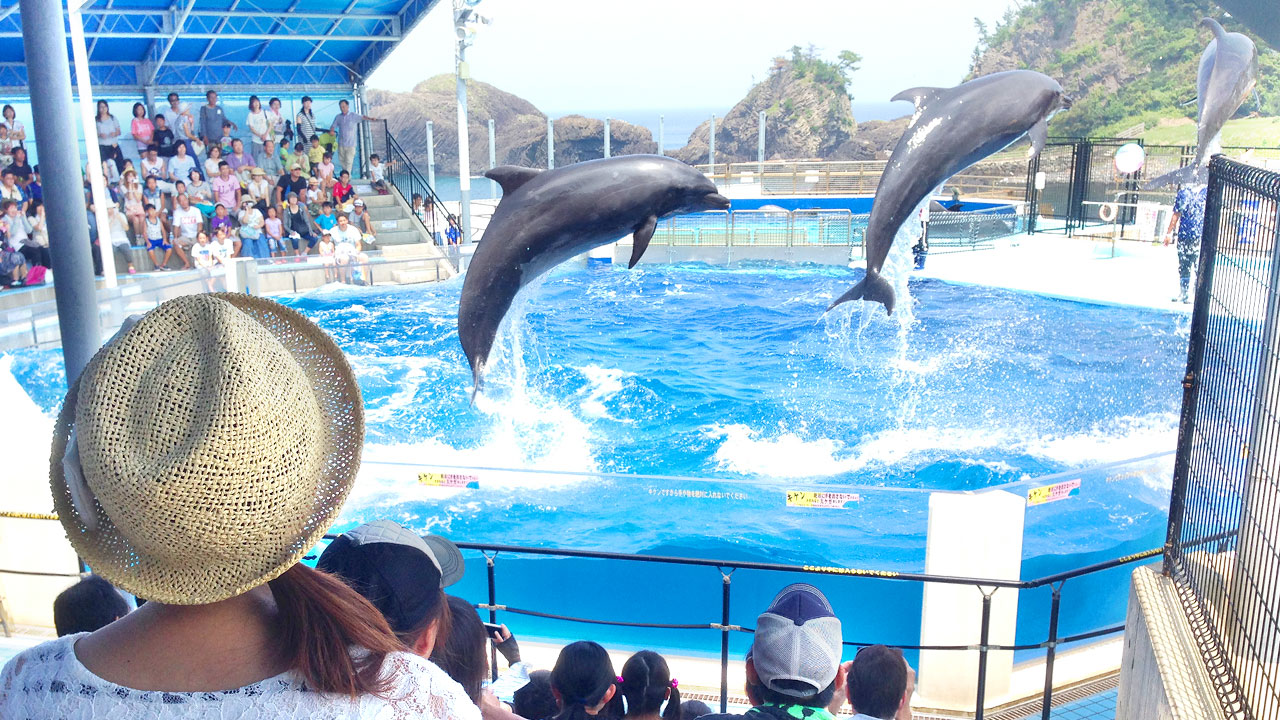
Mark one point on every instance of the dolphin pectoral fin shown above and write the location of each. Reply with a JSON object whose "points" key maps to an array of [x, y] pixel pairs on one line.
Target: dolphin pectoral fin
{"points": [[921, 96], [477, 380], [873, 287], [640, 239], [1039, 134], [511, 177]]}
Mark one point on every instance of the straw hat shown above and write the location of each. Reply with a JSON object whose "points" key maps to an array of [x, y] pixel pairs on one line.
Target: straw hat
{"points": [[216, 441]]}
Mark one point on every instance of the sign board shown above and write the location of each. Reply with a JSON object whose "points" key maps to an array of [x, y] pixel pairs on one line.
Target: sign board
{"points": [[1053, 493], [825, 500], [449, 480]]}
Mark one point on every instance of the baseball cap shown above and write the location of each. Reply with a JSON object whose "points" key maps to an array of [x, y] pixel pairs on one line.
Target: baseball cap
{"points": [[294, 166], [397, 570], [797, 639], [359, 202]]}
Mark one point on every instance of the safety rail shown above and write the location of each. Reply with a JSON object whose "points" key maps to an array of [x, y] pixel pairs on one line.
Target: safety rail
{"points": [[407, 180]]}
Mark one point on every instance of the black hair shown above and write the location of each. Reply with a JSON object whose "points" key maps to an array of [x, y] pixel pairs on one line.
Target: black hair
{"points": [[273, 100], [148, 206], [646, 684], [255, 97], [172, 96], [582, 676], [35, 205], [462, 654], [158, 116], [138, 105], [694, 709], [210, 92], [86, 606], [374, 156], [6, 109], [5, 205], [535, 701], [877, 681], [152, 147], [223, 163], [769, 696], [299, 146]]}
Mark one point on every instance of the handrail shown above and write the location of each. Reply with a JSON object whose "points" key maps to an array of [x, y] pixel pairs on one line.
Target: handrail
{"points": [[398, 160]]}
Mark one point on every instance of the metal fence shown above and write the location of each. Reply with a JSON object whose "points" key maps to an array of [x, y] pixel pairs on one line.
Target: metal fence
{"points": [[1223, 545]]}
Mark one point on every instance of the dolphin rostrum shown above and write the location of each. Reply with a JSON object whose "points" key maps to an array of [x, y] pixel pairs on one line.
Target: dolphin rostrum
{"points": [[952, 129], [547, 217], [1228, 73]]}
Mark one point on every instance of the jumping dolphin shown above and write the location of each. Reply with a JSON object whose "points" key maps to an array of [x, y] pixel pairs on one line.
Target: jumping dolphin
{"points": [[1228, 73], [952, 129], [545, 218]]}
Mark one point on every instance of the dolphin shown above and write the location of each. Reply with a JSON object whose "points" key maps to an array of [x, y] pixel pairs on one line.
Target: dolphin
{"points": [[1258, 17], [547, 217], [952, 129], [1228, 73]]}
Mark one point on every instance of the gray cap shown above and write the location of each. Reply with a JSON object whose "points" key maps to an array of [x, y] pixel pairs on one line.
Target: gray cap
{"points": [[448, 558], [798, 638]]}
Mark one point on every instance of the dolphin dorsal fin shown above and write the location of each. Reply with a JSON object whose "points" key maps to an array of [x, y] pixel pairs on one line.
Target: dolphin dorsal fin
{"points": [[1215, 26], [921, 96], [511, 177]]}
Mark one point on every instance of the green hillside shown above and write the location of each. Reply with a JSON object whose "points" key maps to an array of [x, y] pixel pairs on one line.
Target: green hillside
{"points": [[1244, 132], [1123, 62]]}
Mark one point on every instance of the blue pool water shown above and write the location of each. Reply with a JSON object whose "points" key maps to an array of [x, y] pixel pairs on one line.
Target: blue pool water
{"points": [[736, 376]]}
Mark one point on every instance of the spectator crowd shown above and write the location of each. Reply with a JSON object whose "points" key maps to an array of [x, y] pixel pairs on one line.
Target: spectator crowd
{"points": [[205, 511], [199, 195]]}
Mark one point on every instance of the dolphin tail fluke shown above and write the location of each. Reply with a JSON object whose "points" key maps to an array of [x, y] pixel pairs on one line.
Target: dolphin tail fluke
{"points": [[873, 288], [477, 381], [1191, 174]]}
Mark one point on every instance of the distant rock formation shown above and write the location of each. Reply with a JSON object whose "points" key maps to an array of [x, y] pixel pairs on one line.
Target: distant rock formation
{"points": [[521, 129]]}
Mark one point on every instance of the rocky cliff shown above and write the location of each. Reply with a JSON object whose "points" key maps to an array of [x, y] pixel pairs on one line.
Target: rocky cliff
{"points": [[1123, 62], [520, 128]]}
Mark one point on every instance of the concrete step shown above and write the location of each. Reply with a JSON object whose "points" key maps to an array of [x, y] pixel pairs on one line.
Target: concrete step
{"points": [[390, 224], [413, 276], [374, 200], [411, 251], [399, 237]]}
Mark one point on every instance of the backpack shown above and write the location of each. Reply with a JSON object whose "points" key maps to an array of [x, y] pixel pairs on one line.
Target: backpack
{"points": [[35, 276]]}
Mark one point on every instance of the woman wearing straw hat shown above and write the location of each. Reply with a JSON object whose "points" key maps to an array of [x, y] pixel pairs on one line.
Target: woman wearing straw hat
{"points": [[196, 459]]}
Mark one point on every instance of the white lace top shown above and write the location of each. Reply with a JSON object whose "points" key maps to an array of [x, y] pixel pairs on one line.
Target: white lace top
{"points": [[47, 681]]}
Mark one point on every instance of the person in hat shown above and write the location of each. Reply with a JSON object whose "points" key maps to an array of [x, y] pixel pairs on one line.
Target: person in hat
{"points": [[793, 668], [205, 509], [293, 182], [314, 198], [259, 190], [880, 684], [363, 221], [402, 574]]}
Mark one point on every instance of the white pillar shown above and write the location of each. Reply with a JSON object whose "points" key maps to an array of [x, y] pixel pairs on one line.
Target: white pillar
{"points": [[88, 111], [978, 535]]}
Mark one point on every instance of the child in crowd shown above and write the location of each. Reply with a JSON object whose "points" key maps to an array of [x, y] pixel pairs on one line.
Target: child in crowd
{"points": [[585, 684], [326, 249], [151, 193], [221, 220], [315, 197], [274, 228], [205, 256], [315, 153], [326, 219], [343, 192], [299, 158], [157, 232], [324, 171], [225, 141], [647, 687], [133, 202], [377, 173], [228, 244]]}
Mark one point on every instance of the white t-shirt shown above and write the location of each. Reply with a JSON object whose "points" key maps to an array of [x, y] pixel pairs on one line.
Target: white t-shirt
{"points": [[181, 167], [259, 125], [376, 171], [187, 223], [48, 681], [204, 255], [153, 168]]}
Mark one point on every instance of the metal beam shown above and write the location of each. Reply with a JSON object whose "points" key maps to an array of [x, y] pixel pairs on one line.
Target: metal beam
{"points": [[177, 30], [229, 14], [94, 45], [275, 27], [17, 35], [334, 26], [410, 14], [209, 45]]}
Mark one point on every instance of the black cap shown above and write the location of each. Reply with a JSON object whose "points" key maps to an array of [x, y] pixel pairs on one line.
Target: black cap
{"points": [[398, 571]]}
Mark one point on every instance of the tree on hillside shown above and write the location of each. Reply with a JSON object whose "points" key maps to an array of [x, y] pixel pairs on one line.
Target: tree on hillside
{"points": [[806, 62]]}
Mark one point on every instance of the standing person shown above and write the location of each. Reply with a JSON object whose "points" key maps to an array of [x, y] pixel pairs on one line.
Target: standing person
{"points": [[347, 125], [118, 234], [17, 133], [156, 230], [22, 172], [259, 129], [793, 669], [585, 684], [109, 135], [212, 118], [273, 227], [881, 684], [205, 256], [1188, 218], [165, 141], [188, 221], [647, 686], [275, 638], [36, 247], [18, 228], [13, 264], [141, 128], [178, 116], [275, 117], [305, 122], [346, 253]]}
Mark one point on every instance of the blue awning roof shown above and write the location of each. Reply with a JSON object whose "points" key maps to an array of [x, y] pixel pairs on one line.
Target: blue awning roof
{"points": [[244, 45]]}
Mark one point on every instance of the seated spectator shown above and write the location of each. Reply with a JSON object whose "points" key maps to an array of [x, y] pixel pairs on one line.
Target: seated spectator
{"points": [[793, 668], [188, 222], [239, 160], [252, 241], [300, 158], [6, 147], [378, 174], [207, 259], [235, 626], [19, 167], [221, 220], [647, 686], [201, 193], [259, 190], [325, 170], [536, 700], [326, 220], [35, 191], [226, 187], [152, 165], [347, 253], [16, 228], [228, 244], [156, 231], [298, 227], [343, 192], [584, 683], [315, 151], [133, 201], [880, 684], [291, 183], [180, 165], [403, 575], [315, 197], [693, 709], [36, 247], [9, 189], [272, 163], [151, 193], [462, 654], [212, 162], [86, 606], [118, 234], [164, 140], [363, 221]]}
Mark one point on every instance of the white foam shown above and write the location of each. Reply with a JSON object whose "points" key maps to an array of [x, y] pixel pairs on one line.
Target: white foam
{"points": [[602, 385]]}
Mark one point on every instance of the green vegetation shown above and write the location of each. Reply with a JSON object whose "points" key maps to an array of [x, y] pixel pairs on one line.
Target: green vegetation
{"points": [[1149, 49], [1245, 132], [835, 75]]}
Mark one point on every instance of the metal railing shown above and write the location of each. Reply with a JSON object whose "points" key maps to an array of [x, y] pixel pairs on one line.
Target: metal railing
{"points": [[408, 181], [1223, 543]]}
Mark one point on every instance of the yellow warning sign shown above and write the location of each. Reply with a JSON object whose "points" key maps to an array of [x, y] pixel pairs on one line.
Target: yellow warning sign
{"points": [[825, 500]]}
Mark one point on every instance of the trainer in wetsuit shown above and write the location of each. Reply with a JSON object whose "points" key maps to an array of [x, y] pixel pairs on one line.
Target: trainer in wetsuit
{"points": [[1188, 217]]}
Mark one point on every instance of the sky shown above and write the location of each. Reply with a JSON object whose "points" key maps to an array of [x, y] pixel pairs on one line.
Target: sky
{"points": [[582, 55]]}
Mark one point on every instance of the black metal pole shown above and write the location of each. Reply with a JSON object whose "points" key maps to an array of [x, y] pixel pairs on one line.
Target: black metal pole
{"points": [[1047, 702], [493, 613], [983, 641], [724, 641]]}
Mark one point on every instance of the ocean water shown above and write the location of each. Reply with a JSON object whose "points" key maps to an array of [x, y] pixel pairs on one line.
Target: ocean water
{"points": [[735, 387]]}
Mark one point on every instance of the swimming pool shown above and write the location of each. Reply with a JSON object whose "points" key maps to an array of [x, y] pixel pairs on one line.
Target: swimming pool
{"points": [[735, 386]]}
